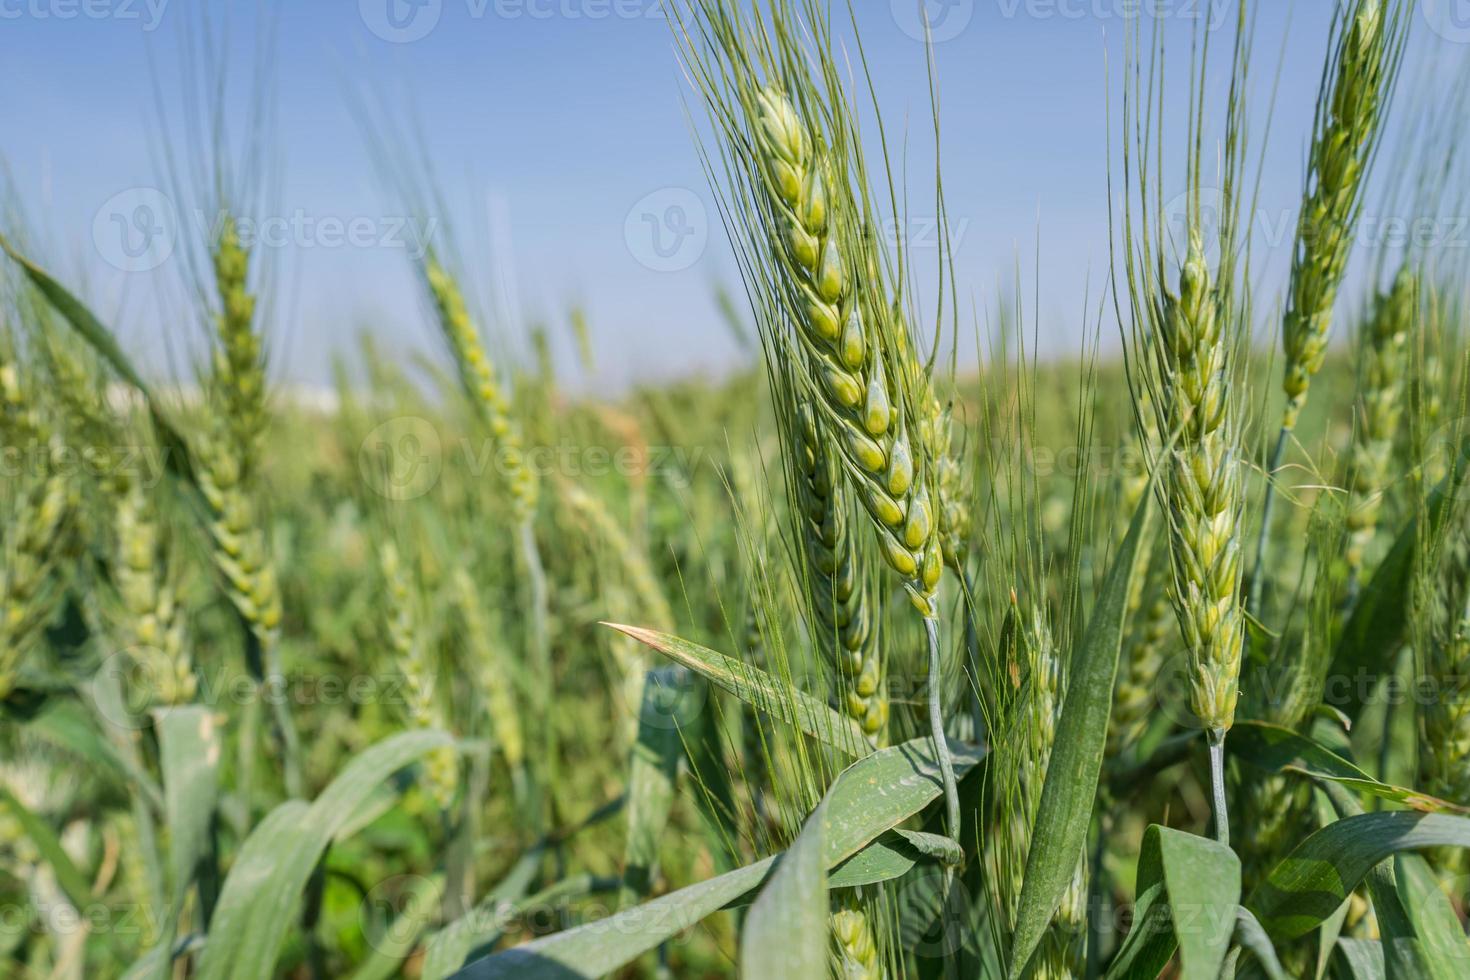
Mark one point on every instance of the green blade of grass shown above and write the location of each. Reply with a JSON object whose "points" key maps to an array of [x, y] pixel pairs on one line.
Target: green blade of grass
{"points": [[869, 798], [785, 935], [1278, 749], [101, 339], [1323, 870], [1360, 959], [1251, 937], [387, 951], [759, 689], [277, 859], [73, 883], [1187, 895], [1067, 796], [652, 772]]}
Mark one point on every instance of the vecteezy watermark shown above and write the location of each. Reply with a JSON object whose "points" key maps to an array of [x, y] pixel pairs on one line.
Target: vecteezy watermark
{"points": [[138, 229], [143, 464], [667, 230], [1275, 228], [298, 229], [403, 458], [140, 679], [573, 9], [1210, 12], [1450, 19], [135, 230], [400, 21], [933, 20], [404, 21], [925, 232], [147, 14]]}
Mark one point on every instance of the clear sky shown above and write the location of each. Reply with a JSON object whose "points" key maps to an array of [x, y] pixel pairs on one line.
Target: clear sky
{"points": [[558, 128]]}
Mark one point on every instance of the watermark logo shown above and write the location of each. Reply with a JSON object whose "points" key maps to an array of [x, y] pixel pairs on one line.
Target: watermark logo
{"points": [[1450, 19], [1212, 12], [396, 910], [932, 20], [135, 230], [667, 230], [147, 13], [1446, 453], [1187, 210], [400, 21], [401, 459]]}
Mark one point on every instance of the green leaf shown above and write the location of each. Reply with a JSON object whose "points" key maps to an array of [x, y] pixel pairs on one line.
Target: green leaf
{"points": [[785, 933], [1252, 938], [1320, 874], [1187, 897], [447, 948], [760, 690], [869, 798], [652, 772], [189, 750], [101, 339], [273, 866], [70, 728], [1362, 959], [1405, 955], [68, 876], [1278, 749], [894, 855], [189, 755], [1435, 922], [1065, 811], [390, 948]]}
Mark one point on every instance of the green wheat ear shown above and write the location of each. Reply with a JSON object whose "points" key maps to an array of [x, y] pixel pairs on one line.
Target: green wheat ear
{"points": [[481, 384], [1202, 486], [1382, 398], [840, 591], [1357, 85], [860, 384]]}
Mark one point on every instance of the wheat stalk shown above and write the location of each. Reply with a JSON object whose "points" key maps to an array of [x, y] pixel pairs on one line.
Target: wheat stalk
{"points": [[1383, 373], [149, 619], [840, 591], [1357, 84], [862, 387], [481, 385], [407, 637], [1356, 88], [856, 946], [30, 587], [492, 672]]}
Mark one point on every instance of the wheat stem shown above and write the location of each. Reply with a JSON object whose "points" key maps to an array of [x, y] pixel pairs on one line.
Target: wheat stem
{"points": [[1217, 786], [936, 732]]}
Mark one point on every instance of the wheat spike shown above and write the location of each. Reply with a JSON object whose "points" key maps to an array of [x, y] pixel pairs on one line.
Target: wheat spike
{"points": [[1349, 117], [477, 374], [861, 383], [857, 948], [1442, 611], [238, 382], [406, 637], [31, 586], [1381, 405], [491, 670], [149, 618], [840, 591]]}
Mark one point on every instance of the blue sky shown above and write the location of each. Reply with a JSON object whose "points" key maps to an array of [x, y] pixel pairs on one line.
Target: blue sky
{"points": [[565, 119]]}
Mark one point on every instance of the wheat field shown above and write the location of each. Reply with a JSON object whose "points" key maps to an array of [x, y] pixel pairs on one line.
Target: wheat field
{"points": [[865, 660]]}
